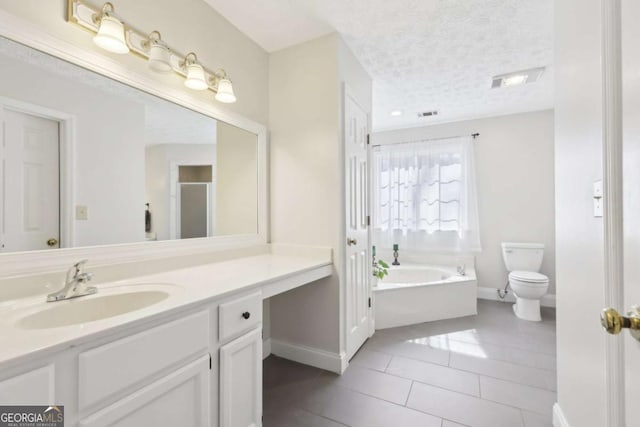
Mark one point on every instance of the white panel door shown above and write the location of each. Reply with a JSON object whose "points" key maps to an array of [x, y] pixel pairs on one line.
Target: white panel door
{"points": [[241, 381], [357, 279], [30, 211]]}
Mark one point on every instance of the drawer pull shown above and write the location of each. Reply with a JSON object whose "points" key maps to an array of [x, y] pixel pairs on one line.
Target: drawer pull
{"points": [[246, 314]]}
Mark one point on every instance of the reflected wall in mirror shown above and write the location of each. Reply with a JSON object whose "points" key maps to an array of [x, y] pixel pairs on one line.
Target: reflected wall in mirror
{"points": [[88, 161]]}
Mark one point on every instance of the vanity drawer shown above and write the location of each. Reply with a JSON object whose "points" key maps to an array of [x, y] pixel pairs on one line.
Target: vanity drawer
{"points": [[240, 315], [122, 364]]}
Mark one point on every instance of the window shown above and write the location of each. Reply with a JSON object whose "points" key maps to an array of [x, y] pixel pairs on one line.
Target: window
{"points": [[424, 195]]}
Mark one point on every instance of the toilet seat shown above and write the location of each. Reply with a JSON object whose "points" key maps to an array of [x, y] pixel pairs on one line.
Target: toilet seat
{"points": [[529, 278]]}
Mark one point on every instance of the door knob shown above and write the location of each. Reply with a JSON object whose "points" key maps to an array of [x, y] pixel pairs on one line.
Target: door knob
{"points": [[52, 242], [614, 323], [351, 242]]}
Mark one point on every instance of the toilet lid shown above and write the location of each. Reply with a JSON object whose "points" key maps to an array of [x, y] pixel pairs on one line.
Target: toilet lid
{"points": [[528, 276]]}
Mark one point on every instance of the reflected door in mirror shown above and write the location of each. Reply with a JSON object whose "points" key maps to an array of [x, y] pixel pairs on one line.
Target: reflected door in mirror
{"points": [[30, 182]]}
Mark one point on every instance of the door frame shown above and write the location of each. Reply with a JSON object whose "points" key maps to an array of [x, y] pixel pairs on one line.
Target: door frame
{"points": [[612, 144], [66, 160], [174, 196]]}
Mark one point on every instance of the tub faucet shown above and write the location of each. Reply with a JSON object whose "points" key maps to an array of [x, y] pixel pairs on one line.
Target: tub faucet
{"points": [[462, 270], [75, 284]]}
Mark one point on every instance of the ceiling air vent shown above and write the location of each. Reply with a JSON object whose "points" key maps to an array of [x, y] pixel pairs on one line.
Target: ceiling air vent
{"points": [[517, 78], [428, 113]]}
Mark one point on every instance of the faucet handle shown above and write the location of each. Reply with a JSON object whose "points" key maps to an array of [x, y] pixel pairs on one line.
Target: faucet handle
{"points": [[76, 269], [84, 277], [78, 265]]}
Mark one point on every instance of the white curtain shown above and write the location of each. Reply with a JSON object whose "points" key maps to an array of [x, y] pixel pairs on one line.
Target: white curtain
{"points": [[424, 196]]}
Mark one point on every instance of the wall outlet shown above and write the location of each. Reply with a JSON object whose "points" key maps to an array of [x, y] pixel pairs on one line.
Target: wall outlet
{"points": [[82, 213], [597, 199]]}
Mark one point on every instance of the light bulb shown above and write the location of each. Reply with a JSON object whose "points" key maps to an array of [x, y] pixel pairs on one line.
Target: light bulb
{"points": [[225, 91], [110, 35]]}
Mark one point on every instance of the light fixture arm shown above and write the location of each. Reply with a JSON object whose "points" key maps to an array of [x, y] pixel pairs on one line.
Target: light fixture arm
{"points": [[106, 10], [189, 59], [154, 37], [216, 77]]}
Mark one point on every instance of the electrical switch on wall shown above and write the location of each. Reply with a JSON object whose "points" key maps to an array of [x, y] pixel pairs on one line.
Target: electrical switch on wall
{"points": [[597, 199], [82, 213]]}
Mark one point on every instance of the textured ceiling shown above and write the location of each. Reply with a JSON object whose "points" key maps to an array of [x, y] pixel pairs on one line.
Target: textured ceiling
{"points": [[422, 54]]}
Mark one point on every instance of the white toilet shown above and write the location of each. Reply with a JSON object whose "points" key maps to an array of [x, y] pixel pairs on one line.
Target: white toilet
{"points": [[523, 260]]}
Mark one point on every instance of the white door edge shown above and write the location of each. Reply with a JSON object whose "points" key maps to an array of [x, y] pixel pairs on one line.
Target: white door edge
{"points": [[613, 203]]}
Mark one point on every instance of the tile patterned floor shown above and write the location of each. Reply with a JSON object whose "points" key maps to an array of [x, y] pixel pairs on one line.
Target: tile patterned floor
{"points": [[489, 370]]}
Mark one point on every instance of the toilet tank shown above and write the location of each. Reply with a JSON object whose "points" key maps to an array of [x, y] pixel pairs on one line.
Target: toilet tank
{"points": [[522, 256]]}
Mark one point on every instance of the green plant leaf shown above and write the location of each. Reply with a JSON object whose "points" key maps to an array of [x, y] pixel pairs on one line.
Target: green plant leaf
{"points": [[383, 264]]}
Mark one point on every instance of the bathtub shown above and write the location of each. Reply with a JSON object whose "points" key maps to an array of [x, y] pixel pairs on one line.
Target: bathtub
{"points": [[417, 293]]}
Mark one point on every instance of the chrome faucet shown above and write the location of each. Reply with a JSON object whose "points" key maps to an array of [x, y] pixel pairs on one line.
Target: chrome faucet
{"points": [[462, 270], [75, 284]]}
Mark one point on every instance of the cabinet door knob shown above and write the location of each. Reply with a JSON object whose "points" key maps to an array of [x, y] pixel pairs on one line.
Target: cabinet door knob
{"points": [[246, 314]]}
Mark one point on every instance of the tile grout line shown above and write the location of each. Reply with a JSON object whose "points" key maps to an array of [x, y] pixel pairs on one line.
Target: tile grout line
{"points": [[382, 350], [524, 422], [413, 380], [506, 405], [388, 364], [406, 401], [477, 374]]}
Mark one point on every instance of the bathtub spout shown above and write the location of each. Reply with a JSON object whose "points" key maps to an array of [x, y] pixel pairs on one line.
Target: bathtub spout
{"points": [[462, 270]]}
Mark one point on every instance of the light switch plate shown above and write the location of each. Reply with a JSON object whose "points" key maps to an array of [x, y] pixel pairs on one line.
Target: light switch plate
{"points": [[597, 199], [82, 213]]}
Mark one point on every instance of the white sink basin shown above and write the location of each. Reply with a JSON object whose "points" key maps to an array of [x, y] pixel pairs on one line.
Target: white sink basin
{"points": [[95, 307]]}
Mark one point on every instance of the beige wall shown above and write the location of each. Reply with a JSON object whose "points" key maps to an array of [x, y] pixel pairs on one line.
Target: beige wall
{"points": [[236, 181], [515, 178], [305, 178], [307, 194], [579, 236], [187, 25]]}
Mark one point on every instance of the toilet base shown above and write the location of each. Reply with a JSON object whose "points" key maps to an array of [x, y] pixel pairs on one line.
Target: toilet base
{"points": [[527, 309]]}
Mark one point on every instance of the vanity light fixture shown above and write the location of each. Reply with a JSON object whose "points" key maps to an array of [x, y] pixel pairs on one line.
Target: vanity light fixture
{"points": [[159, 54], [110, 36], [224, 88], [196, 79], [113, 35]]}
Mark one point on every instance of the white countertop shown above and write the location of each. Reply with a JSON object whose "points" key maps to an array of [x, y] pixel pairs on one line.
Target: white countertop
{"points": [[273, 273]]}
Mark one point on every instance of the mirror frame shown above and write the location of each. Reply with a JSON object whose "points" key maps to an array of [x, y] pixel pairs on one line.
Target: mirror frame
{"points": [[33, 262]]}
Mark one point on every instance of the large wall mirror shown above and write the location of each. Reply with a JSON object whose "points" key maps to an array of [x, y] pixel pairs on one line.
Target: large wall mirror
{"points": [[89, 161]]}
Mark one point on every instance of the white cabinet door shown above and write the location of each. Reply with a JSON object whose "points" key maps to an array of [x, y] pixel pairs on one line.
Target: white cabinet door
{"points": [[32, 388], [241, 381], [182, 398]]}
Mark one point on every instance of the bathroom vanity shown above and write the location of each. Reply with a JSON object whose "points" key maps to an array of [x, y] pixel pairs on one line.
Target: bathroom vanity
{"points": [[188, 353]]}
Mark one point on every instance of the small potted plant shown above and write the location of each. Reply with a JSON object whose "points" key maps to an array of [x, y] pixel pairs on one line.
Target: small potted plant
{"points": [[380, 269]]}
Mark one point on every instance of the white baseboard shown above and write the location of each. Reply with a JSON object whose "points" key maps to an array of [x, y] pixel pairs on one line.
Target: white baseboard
{"points": [[318, 358], [558, 417], [266, 348], [548, 300]]}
